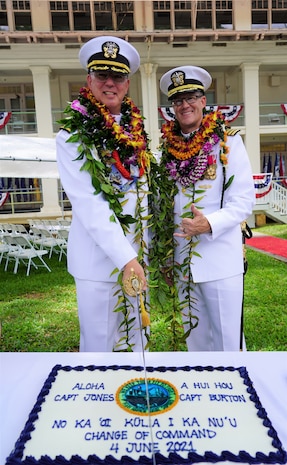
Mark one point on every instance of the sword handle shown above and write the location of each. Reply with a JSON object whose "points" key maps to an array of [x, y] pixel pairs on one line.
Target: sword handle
{"points": [[133, 287]]}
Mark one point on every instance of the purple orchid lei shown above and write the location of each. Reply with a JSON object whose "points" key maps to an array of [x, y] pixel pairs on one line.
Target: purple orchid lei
{"points": [[187, 172]]}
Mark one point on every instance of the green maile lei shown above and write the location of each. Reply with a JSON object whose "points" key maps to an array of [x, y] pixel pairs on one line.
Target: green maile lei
{"points": [[165, 272], [102, 143]]}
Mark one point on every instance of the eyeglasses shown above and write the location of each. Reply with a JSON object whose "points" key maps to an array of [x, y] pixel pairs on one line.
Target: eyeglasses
{"points": [[189, 100], [103, 76]]}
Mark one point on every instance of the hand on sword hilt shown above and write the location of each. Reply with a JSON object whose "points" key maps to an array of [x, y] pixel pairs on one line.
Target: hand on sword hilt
{"points": [[133, 287]]}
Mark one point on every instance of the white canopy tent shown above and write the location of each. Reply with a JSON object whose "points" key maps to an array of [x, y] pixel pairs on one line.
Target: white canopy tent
{"points": [[28, 157]]}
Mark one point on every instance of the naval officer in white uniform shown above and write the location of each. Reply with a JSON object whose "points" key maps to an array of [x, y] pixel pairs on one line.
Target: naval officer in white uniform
{"points": [[210, 172], [102, 154]]}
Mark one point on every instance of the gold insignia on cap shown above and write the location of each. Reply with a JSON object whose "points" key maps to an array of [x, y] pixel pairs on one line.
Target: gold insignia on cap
{"points": [[110, 49], [178, 78]]}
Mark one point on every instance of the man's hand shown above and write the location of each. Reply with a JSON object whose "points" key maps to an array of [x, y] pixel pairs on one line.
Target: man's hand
{"points": [[133, 267], [194, 226]]}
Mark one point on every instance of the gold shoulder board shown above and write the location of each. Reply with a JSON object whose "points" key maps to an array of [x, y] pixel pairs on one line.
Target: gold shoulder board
{"points": [[65, 129], [232, 132]]}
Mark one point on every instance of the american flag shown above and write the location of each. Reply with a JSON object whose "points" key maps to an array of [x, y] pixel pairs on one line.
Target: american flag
{"points": [[282, 171]]}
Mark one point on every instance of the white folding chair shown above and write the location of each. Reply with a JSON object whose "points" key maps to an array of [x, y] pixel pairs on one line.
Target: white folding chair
{"points": [[23, 251], [4, 247], [6, 228], [19, 229], [62, 235], [64, 222], [35, 237], [51, 242]]}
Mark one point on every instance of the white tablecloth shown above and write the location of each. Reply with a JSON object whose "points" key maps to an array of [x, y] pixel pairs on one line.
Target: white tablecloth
{"points": [[23, 374]]}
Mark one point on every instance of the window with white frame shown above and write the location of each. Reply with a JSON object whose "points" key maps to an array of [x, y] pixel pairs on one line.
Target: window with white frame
{"points": [[3, 16], [59, 16], [183, 15], [259, 14], [223, 14], [22, 15], [279, 14], [104, 13], [124, 16], [101, 16], [81, 16], [203, 15], [162, 15]]}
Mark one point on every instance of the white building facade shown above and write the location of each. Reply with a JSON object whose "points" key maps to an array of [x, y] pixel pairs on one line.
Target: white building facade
{"points": [[241, 43]]}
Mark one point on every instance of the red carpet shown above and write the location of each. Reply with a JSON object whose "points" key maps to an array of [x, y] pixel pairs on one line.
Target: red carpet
{"points": [[272, 245]]}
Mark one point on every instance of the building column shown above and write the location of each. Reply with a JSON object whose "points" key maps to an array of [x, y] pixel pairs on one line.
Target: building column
{"points": [[150, 102], [250, 82], [43, 107]]}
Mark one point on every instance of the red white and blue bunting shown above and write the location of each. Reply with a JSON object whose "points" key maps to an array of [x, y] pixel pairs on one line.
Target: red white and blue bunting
{"points": [[4, 118], [262, 184], [3, 197], [230, 112]]}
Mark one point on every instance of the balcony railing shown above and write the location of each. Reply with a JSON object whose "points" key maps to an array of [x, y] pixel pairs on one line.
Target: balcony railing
{"points": [[31, 200], [271, 114], [275, 198], [25, 122]]}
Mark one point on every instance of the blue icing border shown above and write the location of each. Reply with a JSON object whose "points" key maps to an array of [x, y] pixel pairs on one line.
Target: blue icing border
{"points": [[279, 457]]}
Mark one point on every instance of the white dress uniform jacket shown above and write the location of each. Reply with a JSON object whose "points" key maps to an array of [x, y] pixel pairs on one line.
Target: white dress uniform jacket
{"points": [[96, 244], [220, 251]]}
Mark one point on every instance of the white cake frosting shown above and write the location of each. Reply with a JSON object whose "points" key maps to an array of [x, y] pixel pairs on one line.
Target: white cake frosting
{"points": [[102, 412]]}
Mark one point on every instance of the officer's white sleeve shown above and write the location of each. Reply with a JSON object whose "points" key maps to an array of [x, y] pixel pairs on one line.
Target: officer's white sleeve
{"points": [[92, 211], [239, 197]]}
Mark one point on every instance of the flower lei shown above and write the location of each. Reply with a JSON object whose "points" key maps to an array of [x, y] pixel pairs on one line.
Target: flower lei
{"points": [[125, 145], [129, 140], [103, 143], [188, 158]]}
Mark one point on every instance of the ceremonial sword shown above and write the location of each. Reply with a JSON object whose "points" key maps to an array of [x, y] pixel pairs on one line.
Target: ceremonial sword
{"points": [[133, 287]]}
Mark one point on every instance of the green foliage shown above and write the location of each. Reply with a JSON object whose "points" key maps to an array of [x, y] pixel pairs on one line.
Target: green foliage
{"points": [[274, 229], [38, 313], [265, 303]]}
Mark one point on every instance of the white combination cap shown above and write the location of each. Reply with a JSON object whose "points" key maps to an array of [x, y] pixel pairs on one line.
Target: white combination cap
{"points": [[109, 53], [184, 79]]}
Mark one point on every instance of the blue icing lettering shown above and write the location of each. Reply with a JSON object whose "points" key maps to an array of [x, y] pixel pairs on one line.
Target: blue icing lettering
{"points": [[106, 435], [99, 397], [190, 421], [59, 424], [201, 385], [65, 397], [221, 422], [83, 423], [185, 434], [223, 385], [138, 422], [89, 386], [227, 398], [184, 385], [142, 447], [190, 397]]}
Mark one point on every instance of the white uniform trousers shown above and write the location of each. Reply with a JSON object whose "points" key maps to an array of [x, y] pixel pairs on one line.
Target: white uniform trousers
{"points": [[99, 325], [218, 306]]}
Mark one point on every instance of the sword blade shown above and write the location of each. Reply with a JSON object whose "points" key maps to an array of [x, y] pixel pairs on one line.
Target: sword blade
{"points": [[145, 376]]}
